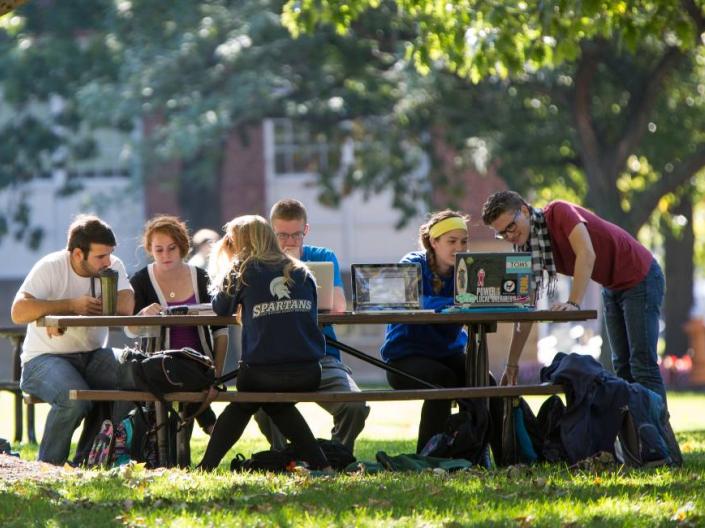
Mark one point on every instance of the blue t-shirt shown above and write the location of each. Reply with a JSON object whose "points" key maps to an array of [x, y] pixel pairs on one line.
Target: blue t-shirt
{"points": [[321, 254], [404, 340], [279, 320]]}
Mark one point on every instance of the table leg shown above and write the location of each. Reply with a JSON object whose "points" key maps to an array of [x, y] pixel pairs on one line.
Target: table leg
{"points": [[161, 410], [471, 357], [483, 363], [31, 436], [16, 374], [163, 433], [183, 436]]}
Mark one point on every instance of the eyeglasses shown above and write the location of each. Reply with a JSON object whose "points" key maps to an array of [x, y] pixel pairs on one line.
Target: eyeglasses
{"points": [[511, 227], [295, 237]]}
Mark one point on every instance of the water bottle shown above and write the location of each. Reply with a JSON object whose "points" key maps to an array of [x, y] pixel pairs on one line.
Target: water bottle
{"points": [[108, 288]]}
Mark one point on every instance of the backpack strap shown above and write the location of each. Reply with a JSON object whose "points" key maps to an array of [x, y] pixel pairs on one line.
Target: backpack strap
{"points": [[210, 397]]}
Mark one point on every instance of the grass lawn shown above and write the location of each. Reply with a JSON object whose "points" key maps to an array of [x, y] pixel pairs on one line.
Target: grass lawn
{"points": [[518, 496]]}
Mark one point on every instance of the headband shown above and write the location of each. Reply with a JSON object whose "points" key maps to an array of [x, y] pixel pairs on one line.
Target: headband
{"points": [[448, 224]]}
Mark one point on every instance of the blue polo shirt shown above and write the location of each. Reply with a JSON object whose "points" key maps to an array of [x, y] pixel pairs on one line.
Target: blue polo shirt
{"points": [[321, 254]]}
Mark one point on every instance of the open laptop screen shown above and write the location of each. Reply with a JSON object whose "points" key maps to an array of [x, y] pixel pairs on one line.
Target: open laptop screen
{"points": [[323, 273], [380, 287], [493, 279]]}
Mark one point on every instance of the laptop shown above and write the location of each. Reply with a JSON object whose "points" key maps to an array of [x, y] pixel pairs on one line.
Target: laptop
{"points": [[387, 288], [493, 280], [323, 273]]}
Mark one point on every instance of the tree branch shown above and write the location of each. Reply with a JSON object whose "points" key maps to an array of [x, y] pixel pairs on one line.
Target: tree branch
{"points": [[649, 199], [641, 106], [696, 14]]}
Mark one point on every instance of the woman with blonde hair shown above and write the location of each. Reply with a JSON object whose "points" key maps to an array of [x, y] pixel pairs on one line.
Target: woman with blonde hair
{"points": [[281, 342], [169, 281], [434, 353]]}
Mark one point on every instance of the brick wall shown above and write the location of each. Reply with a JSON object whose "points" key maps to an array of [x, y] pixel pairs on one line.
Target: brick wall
{"points": [[243, 174], [161, 193]]}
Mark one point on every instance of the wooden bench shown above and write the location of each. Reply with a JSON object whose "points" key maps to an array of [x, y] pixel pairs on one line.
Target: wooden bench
{"points": [[182, 447], [458, 393], [31, 400]]}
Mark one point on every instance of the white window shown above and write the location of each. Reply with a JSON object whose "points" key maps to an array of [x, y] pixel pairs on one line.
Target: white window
{"points": [[297, 150], [114, 157]]}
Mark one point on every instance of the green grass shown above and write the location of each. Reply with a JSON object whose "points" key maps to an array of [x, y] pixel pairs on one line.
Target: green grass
{"points": [[520, 496]]}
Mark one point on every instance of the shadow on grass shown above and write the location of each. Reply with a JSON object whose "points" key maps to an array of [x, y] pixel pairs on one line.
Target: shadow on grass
{"points": [[540, 495]]}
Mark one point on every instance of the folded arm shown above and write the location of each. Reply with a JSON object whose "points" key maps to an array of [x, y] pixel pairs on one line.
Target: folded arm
{"points": [[26, 308]]}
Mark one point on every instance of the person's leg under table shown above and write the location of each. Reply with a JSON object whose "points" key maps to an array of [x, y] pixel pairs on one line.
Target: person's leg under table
{"points": [[348, 417], [444, 372], [228, 429], [50, 377], [289, 421]]}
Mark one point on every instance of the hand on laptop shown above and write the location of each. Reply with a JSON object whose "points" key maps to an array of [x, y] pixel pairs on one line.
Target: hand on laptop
{"points": [[565, 307]]}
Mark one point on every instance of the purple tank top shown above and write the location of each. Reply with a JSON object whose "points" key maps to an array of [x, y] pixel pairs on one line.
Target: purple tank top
{"points": [[184, 336]]}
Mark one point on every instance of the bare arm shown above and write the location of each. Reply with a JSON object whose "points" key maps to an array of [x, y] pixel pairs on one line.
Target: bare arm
{"points": [[135, 331], [519, 337], [339, 303], [220, 347], [125, 302], [581, 244], [26, 308]]}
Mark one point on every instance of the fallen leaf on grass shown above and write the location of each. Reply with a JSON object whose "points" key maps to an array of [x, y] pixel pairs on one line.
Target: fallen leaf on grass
{"points": [[261, 508], [682, 512], [524, 521], [539, 482]]}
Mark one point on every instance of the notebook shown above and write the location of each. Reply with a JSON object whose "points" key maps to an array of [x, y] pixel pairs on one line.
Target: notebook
{"points": [[323, 273], [386, 288], [493, 280]]}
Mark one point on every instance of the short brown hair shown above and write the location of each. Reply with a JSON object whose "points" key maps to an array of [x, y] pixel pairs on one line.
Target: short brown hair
{"points": [[86, 230], [499, 203], [288, 209], [168, 225]]}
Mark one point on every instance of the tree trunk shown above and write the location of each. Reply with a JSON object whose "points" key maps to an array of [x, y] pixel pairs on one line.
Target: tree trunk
{"points": [[678, 269]]}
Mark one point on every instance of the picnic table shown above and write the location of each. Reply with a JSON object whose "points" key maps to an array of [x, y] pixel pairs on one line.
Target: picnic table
{"points": [[479, 325]]}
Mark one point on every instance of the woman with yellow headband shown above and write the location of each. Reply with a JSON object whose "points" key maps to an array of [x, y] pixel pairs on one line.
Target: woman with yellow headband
{"points": [[434, 353]]}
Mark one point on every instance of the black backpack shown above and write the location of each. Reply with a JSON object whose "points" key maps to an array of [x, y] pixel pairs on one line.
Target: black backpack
{"points": [[466, 435], [179, 370], [270, 460], [549, 418], [338, 455]]}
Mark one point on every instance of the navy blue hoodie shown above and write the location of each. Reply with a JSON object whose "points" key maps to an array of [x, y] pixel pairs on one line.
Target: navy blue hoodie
{"points": [[279, 321]]}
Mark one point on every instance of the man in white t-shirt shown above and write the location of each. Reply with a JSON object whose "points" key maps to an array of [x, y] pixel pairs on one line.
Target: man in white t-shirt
{"points": [[55, 360]]}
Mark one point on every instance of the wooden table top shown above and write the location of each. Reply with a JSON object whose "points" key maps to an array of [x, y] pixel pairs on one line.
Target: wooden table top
{"points": [[324, 318]]}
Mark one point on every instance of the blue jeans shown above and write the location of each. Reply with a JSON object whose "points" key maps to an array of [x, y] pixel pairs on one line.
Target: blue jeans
{"points": [[51, 376], [632, 322]]}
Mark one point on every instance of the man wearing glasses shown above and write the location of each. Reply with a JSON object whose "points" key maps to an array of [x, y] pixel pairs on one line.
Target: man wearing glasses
{"points": [[289, 222], [569, 239]]}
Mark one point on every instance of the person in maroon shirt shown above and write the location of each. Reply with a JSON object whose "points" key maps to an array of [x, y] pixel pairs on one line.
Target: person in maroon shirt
{"points": [[569, 239]]}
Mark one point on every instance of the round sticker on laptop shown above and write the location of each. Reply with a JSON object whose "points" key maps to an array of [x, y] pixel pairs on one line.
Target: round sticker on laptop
{"points": [[509, 286]]}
